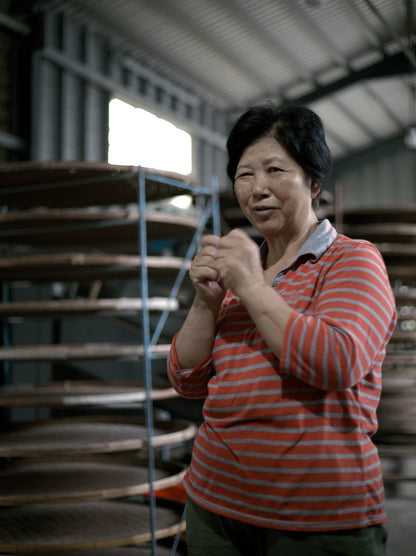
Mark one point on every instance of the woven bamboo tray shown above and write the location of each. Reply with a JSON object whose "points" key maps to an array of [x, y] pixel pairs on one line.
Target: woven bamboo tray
{"points": [[64, 184], [75, 481], [80, 436], [405, 272], [371, 215], [399, 379], [398, 461], [124, 306], [404, 252], [405, 295], [81, 526], [86, 228], [81, 393], [78, 352], [67, 267], [120, 551], [399, 357], [397, 409], [397, 412], [403, 336], [382, 232]]}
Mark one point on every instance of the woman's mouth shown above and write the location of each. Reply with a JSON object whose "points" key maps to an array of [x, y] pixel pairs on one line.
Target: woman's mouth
{"points": [[263, 211]]}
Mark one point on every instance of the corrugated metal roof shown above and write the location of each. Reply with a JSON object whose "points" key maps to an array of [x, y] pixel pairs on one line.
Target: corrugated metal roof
{"points": [[234, 53]]}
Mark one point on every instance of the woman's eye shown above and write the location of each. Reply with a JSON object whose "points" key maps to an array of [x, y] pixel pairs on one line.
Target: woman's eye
{"points": [[274, 169]]}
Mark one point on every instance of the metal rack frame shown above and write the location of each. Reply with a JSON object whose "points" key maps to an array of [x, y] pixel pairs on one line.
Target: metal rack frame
{"points": [[208, 212], [209, 209]]}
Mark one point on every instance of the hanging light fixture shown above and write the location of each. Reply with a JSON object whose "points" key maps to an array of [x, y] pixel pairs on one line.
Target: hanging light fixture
{"points": [[410, 138]]}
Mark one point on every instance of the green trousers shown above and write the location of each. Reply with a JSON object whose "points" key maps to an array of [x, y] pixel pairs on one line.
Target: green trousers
{"points": [[209, 534]]}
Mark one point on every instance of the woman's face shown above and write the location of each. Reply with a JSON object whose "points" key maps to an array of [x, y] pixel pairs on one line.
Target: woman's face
{"points": [[273, 190]]}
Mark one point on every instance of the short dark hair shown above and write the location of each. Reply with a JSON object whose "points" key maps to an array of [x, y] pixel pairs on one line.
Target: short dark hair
{"points": [[298, 129]]}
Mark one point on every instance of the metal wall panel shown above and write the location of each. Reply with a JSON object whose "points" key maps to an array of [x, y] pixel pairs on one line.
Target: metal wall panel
{"points": [[383, 177], [76, 72], [46, 111], [14, 86]]}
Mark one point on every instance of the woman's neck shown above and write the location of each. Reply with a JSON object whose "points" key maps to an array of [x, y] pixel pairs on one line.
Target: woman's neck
{"points": [[283, 252]]}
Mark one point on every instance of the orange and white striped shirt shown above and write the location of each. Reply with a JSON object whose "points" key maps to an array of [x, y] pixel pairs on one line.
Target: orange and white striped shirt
{"points": [[286, 442]]}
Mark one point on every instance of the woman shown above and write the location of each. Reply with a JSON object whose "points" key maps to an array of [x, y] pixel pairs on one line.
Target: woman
{"points": [[286, 344]]}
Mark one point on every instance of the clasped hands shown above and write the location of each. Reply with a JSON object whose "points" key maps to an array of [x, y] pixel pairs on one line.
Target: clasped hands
{"points": [[230, 262]]}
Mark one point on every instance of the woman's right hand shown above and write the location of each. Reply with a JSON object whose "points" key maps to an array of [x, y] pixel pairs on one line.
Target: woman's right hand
{"points": [[203, 272]]}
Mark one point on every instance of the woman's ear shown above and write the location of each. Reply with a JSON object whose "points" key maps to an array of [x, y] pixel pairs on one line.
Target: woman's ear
{"points": [[315, 189]]}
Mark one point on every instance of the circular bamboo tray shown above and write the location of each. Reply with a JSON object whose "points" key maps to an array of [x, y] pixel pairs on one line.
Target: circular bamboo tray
{"points": [[81, 526], [123, 306], [382, 232], [398, 252], [397, 358], [72, 437], [76, 481], [67, 267], [65, 184], [73, 393], [398, 461], [397, 412], [403, 336], [120, 551], [373, 215], [90, 228], [79, 352], [405, 295], [399, 379]]}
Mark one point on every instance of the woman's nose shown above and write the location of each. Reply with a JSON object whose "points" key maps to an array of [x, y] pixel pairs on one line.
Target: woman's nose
{"points": [[260, 183]]}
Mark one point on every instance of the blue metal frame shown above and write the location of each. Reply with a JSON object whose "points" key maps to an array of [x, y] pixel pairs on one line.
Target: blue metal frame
{"points": [[210, 209]]}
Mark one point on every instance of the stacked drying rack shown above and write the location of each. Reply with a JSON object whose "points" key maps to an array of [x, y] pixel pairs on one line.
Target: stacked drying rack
{"points": [[91, 477]]}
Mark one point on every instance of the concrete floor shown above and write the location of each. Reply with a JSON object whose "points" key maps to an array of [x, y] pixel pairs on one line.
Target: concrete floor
{"points": [[401, 526]]}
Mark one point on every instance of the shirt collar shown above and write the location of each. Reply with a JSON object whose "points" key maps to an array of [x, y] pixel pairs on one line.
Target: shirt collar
{"points": [[315, 245], [319, 241]]}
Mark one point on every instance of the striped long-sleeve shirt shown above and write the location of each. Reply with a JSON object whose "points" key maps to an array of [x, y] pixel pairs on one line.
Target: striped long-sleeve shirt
{"points": [[286, 442]]}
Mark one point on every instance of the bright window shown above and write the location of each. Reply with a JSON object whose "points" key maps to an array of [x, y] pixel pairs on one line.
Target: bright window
{"points": [[139, 138]]}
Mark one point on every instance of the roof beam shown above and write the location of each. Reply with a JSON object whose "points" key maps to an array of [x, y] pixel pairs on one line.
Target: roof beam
{"points": [[391, 65], [353, 156], [13, 24], [407, 49]]}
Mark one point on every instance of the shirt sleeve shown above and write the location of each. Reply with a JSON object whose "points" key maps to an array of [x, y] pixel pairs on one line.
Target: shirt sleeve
{"points": [[189, 383], [346, 336]]}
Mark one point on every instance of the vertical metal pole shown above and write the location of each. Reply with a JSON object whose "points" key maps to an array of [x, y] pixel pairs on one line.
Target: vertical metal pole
{"points": [[142, 231], [35, 108], [338, 208], [193, 246], [216, 219], [5, 365]]}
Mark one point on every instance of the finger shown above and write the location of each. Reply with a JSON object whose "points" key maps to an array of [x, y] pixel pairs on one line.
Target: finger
{"points": [[205, 257], [204, 265], [210, 240], [203, 274], [235, 237]]}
